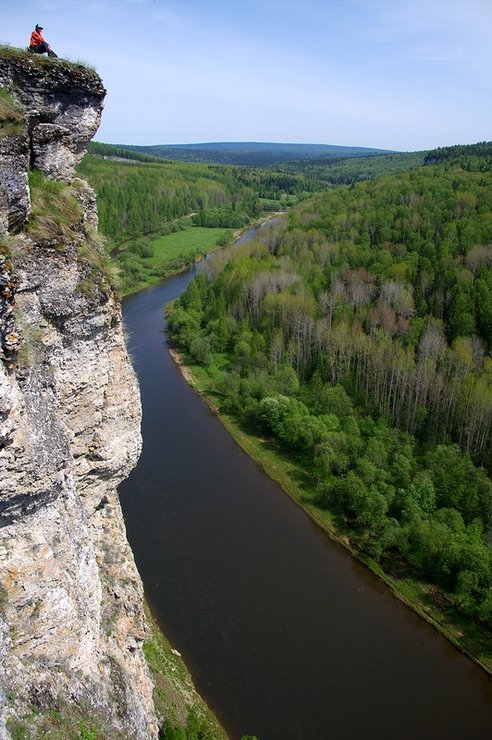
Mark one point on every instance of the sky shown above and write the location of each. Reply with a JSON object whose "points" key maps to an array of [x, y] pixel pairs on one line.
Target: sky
{"points": [[406, 75]]}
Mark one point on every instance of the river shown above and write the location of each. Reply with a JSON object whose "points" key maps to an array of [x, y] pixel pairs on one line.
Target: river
{"points": [[286, 635]]}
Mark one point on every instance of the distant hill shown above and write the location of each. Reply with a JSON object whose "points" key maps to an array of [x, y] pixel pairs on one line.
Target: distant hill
{"points": [[470, 157], [325, 172], [250, 153], [311, 174]]}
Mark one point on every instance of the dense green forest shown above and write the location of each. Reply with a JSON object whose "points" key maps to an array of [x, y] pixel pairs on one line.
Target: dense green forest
{"points": [[473, 157], [141, 194], [139, 198], [356, 334]]}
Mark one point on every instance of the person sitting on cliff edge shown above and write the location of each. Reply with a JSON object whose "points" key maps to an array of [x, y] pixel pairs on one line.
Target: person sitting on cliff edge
{"points": [[38, 44]]}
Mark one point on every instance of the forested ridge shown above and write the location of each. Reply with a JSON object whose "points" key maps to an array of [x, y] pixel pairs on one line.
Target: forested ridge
{"points": [[140, 194], [250, 153], [110, 151], [467, 156], [140, 198], [323, 172], [357, 336]]}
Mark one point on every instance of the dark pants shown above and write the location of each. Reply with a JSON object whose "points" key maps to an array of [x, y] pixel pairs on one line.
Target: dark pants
{"points": [[42, 48]]}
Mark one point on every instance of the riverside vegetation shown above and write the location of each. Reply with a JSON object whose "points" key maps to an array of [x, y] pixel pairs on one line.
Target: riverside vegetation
{"points": [[349, 348]]}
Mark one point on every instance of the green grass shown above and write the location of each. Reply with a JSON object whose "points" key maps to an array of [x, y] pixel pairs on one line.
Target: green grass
{"points": [[56, 222], [54, 210], [296, 481], [14, 53], [12, 119], [195, 241], [164, 256], [79, 63]]}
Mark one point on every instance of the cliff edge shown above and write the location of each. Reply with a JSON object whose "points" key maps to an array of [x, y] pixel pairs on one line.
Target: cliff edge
{"points": [[71, 618]]}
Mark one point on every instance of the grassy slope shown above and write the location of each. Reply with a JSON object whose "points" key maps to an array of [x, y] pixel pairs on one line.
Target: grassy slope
{"points": [[297, 482]]}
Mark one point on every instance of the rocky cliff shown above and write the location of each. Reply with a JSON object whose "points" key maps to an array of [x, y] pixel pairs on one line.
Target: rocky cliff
{"points": [[71, 620]]}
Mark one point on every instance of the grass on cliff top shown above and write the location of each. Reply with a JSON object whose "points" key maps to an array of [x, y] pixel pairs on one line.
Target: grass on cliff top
{"points": [[11, 114], [13, 52]]}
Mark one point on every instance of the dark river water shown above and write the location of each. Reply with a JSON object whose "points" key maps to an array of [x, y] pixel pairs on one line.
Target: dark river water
{"points": [[285, 634]]}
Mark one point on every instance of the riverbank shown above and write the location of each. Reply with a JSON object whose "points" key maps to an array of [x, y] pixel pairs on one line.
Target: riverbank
{"points": [[419, 595], [179, 707], [176, 252]]}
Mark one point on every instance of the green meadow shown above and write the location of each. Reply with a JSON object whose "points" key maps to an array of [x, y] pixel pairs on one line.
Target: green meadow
{"points": [[146, 260]]}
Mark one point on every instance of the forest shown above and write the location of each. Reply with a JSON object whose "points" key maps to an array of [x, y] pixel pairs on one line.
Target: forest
{"points": [[136, 198], [356, 335], [322, 173], [142, 198]]}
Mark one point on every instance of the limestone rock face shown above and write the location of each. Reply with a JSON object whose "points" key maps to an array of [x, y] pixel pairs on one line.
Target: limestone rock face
{"points": [[53, 151], [87, 198], [15, 201], [63, 105], [71, 616]]}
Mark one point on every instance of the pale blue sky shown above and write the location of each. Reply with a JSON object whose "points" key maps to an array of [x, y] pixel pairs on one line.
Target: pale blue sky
{"points": [[393, 74]]}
